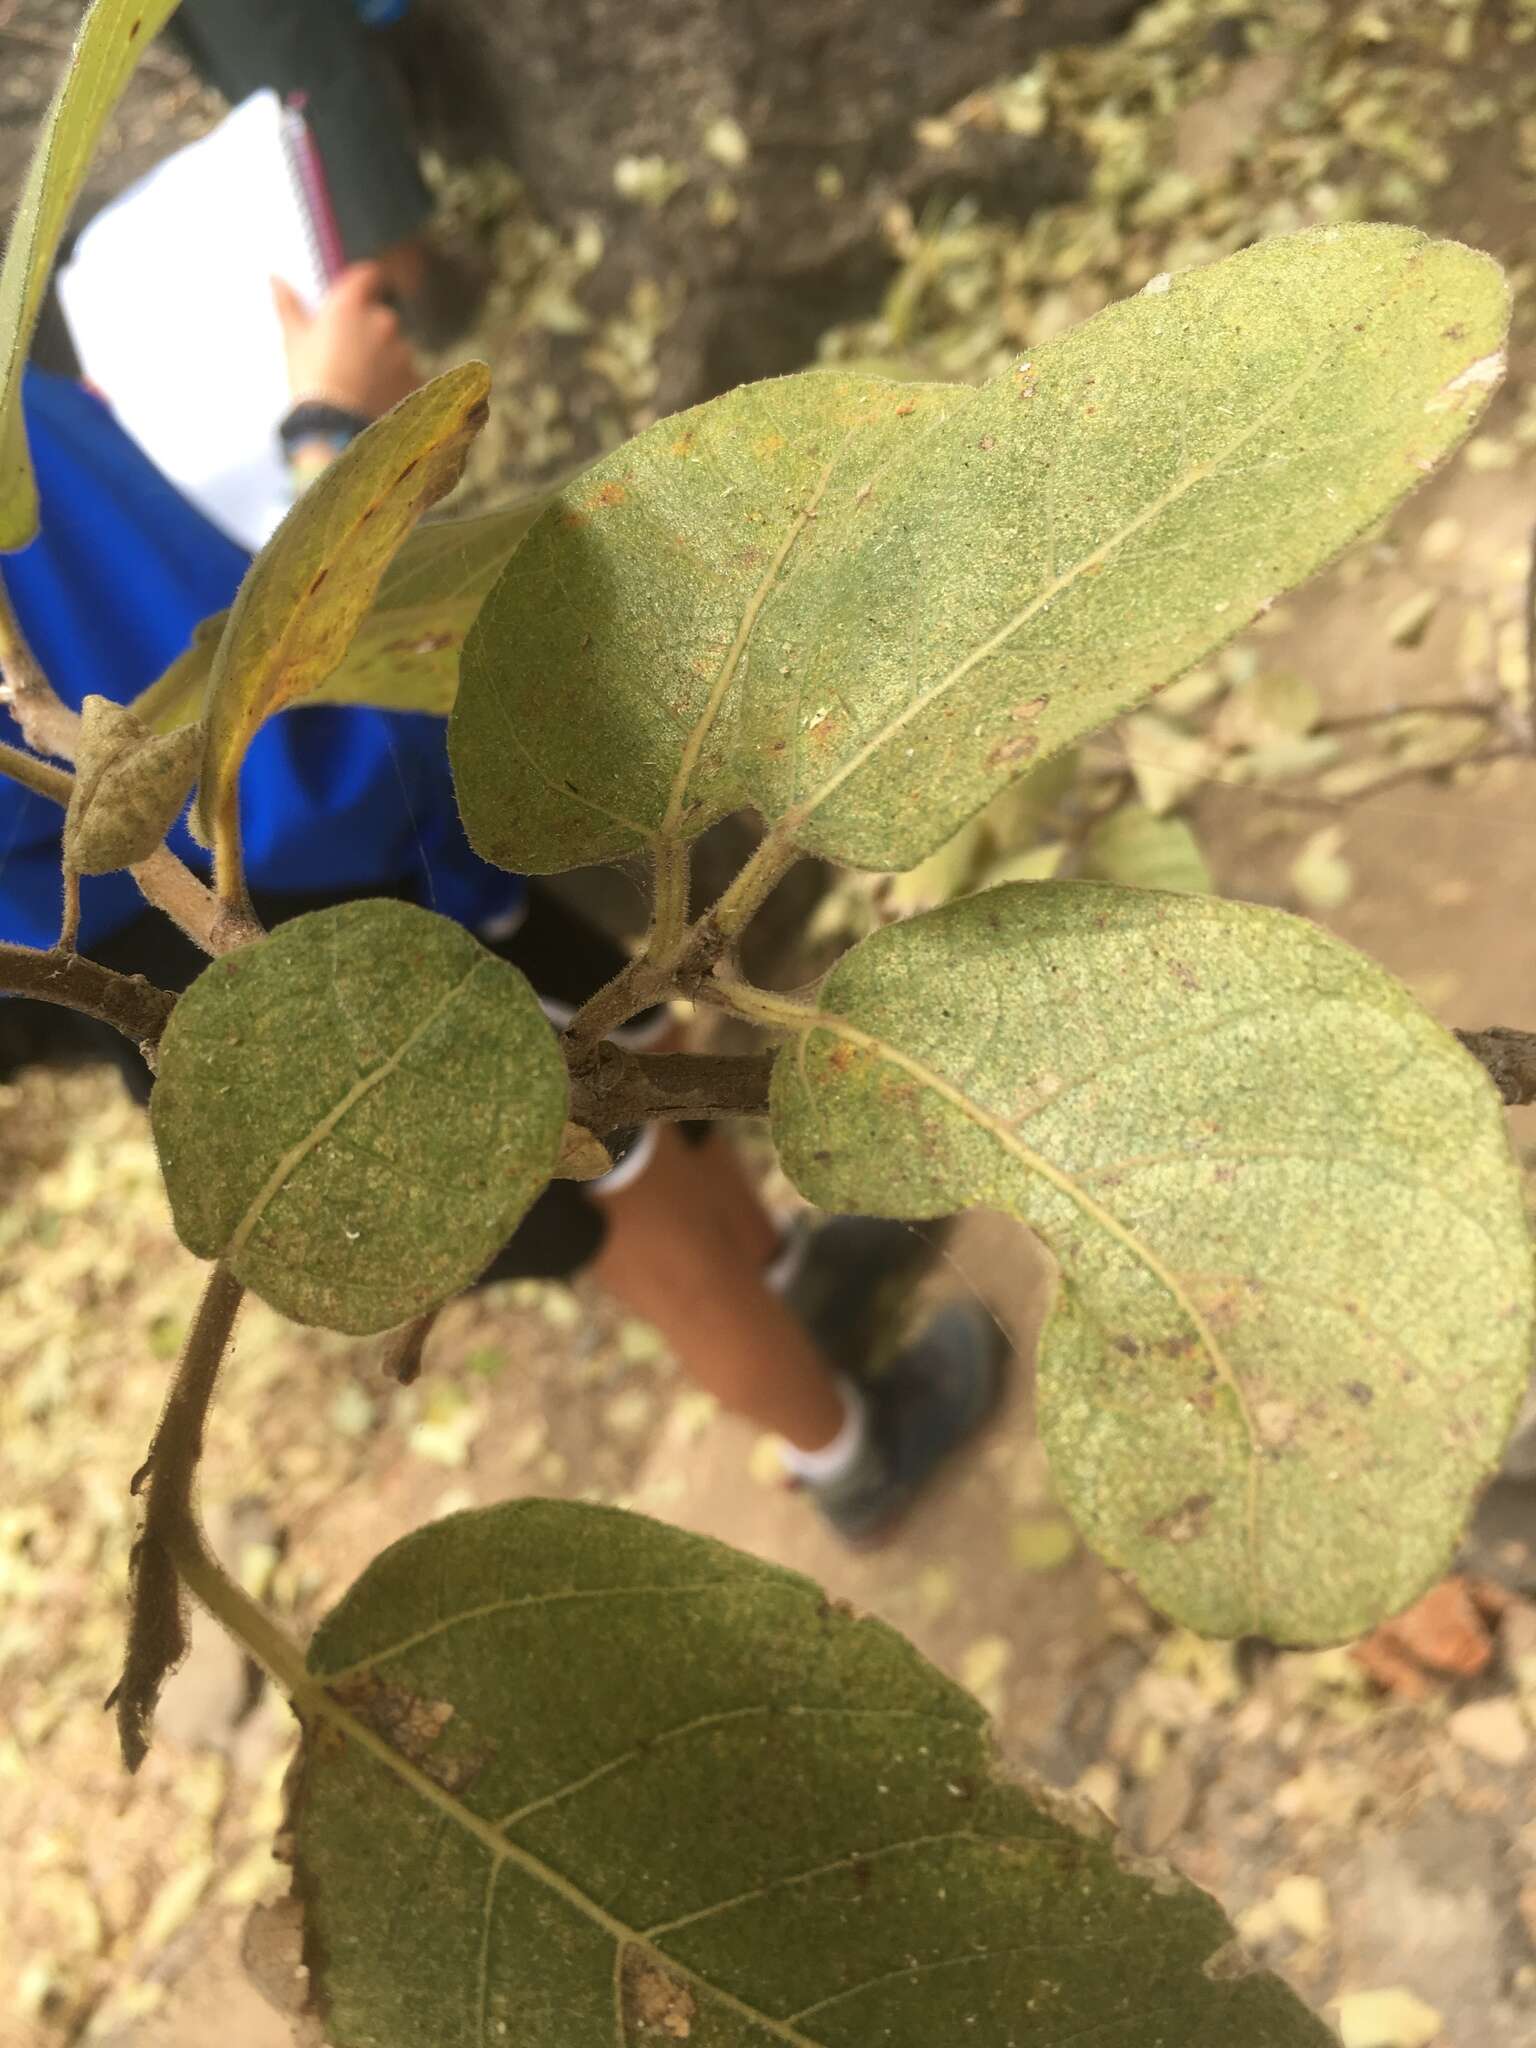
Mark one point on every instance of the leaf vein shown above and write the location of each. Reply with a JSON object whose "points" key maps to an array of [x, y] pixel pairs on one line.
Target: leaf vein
{"points": [[363, 1086]]}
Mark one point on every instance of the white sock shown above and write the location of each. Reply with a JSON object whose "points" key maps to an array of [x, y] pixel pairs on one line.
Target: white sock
{"points": [[786, 1262], [837, 1458]]}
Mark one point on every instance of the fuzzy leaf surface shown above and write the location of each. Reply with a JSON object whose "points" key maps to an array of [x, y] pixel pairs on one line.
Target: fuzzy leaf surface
{"points": [[356, 1112], [112, 38], [130, 786], [862, 607], [1293, 1319], [573, 1777]]}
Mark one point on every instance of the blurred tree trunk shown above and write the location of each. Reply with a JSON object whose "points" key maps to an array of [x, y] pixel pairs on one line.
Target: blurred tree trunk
{"points": [[825, 94]]}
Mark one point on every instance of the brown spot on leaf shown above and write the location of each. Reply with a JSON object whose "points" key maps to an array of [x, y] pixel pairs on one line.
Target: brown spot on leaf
{"points": [[1018, 746], [683, 445], [609, 494], [1183, 1523], [987, 443], [573, 518], [655, 2001], [904, 411], [1229, 1963], [1359, 1392]]}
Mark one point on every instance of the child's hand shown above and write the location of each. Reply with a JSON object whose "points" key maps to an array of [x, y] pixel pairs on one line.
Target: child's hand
{"points": [[349, 351]]}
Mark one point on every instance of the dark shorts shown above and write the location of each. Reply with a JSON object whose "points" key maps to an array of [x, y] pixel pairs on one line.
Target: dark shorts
{"points": [[565, 957], [320, 49]]}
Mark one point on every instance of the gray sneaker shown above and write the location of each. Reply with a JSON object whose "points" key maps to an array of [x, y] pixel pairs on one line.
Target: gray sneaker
{"points": [[930, 1400], [852, 1277]]}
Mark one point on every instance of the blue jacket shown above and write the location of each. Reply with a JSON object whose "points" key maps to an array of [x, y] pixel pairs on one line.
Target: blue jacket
{"points": [[332, 798]]}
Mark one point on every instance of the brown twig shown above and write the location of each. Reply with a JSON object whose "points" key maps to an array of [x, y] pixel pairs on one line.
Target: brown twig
{"points": [[403, 1348], [618, 1089], [1509, 1056], [1441, 707], [127, 1002], [47, 724], [157, 1626]]}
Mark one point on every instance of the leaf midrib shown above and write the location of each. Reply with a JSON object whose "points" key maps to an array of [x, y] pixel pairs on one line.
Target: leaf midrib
{"points": [[312, 1696], [807, 1021], [318, 1132], [801, 813]]}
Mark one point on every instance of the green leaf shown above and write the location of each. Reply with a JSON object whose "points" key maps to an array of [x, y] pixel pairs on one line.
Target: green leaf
{"points": [[572, 1777], [309, 589], [112, 38], [861, 608], [406, 653], [356, 1112], [1294, 1313], [1133, 846]]}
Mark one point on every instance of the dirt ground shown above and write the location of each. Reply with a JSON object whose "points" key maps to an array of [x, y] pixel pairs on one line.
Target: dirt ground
{"points": [[1370, 1823]]}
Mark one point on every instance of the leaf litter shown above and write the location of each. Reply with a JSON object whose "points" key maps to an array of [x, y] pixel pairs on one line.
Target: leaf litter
{"points": [[1344, 113]]}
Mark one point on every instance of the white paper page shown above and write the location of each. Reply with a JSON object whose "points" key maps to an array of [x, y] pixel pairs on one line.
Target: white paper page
{"points": [[169, 304]]}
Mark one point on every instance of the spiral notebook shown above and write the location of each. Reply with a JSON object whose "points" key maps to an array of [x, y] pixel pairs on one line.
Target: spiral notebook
{"points": [[168, 299]]}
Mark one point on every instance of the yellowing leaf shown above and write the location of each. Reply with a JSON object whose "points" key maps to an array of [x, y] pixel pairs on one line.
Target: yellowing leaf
{"points": [[1293, 1320], [313, 583], [405, 656], [861, 608], [112, 38]]}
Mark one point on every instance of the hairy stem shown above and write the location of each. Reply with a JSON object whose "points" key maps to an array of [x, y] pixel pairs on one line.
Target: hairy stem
{"points": [[47, 723], [229, 881], [235, 1611], [751, 888], [632, 989], [39, 776], [164, 879], [69, 923], [669, 913], [167, 882], [127, 1002], [157, 1628], [757, 1005]]}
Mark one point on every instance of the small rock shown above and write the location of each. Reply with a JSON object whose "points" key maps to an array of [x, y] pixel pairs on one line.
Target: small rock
{"points": [[1101, 1783], [1168, 1803], [1517, 1645], [1039, 1543], [982, 1668], [1495, 1730], [1443, 1631], [1301, 1903], [1387, 2019]]}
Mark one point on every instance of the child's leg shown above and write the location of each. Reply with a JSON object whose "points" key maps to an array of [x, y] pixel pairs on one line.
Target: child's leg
{"points": [[686, 1247]]}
